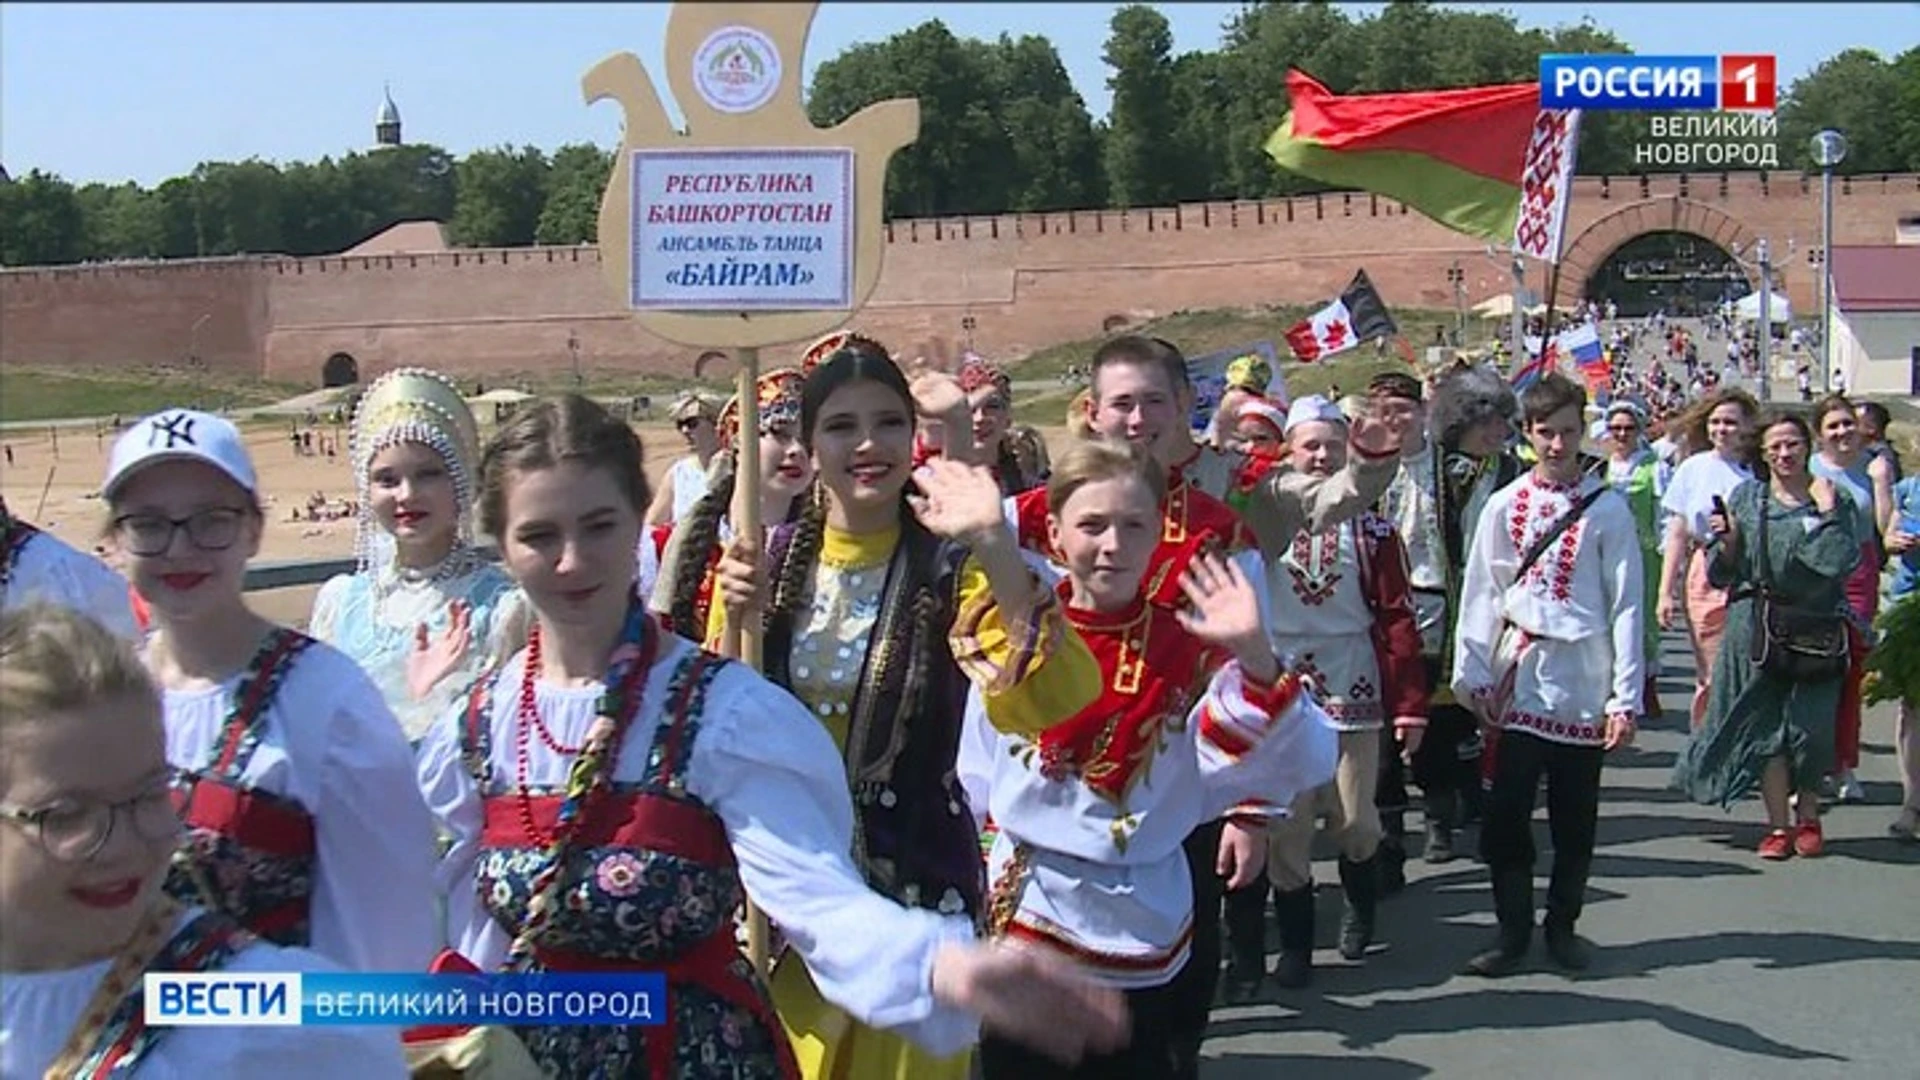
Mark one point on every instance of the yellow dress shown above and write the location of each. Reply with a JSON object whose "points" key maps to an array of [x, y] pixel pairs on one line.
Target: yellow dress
{"points": [[829, 651]]}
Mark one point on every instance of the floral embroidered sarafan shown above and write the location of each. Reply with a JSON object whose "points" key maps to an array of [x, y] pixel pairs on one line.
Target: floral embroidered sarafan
{"points": [[647, 882], [247, 852]]}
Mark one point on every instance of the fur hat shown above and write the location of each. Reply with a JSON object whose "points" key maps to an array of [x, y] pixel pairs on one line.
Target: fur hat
{"points": [[1468, 396]]}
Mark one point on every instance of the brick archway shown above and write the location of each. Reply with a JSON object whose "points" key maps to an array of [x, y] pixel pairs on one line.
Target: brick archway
{"points": [[1671, 214]]}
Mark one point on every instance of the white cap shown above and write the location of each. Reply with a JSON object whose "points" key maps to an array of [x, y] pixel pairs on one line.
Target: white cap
{"points": [[179, 435], [1266, 411], [1313, 407]]}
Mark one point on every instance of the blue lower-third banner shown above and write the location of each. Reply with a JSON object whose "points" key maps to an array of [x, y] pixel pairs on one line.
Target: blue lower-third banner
{"points": [[274, 999]]}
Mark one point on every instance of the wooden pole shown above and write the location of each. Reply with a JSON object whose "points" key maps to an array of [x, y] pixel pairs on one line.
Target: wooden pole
{"points": [[743, 641]]}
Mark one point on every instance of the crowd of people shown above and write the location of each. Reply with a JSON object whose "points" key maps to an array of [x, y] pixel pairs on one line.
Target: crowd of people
{"points": [[1032, 746]]}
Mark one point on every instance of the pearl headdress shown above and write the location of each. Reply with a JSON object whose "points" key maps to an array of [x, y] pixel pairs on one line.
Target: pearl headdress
{"points": [[418, 406]]}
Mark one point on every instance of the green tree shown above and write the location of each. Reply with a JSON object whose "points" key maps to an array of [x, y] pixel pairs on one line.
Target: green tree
{"points": [[240, 207], [961, 163], [1851, 93], [1261, 44], [576, 184], [123, 221], [1053, 155], [395, 184], [41, 222], [498, 197], [1142, 130], [1906, 109]]}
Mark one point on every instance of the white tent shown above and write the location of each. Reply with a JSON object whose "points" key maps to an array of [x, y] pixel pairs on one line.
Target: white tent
{"points": [[1778, 309]]}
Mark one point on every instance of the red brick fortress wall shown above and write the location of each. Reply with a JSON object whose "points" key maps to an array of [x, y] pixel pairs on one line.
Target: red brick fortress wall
{"points": [[1028, 280]]}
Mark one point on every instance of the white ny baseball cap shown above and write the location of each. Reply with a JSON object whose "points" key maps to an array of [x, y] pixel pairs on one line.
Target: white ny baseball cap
{"points": [[179, 435]]}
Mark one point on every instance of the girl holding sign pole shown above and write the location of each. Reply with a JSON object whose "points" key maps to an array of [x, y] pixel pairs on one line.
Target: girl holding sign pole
{"points": [[882, 607], [614, 792]]}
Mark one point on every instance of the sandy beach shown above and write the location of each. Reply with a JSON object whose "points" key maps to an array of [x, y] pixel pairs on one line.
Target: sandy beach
{"points": [[58, 489]]}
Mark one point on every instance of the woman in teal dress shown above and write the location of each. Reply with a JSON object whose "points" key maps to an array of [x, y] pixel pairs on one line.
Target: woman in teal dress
{"points": [[1636, 472], [1763, 731], [425, 612]]}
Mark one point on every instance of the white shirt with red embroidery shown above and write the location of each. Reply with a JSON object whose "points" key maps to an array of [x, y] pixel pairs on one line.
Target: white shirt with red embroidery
{"points": [[1577, 612]]}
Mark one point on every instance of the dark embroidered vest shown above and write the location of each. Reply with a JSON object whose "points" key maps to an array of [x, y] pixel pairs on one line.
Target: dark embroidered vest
{"points": [[914, 834]]}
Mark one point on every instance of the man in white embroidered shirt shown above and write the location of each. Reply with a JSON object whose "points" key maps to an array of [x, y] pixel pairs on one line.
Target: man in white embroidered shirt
{"points": [[1548, 656]]}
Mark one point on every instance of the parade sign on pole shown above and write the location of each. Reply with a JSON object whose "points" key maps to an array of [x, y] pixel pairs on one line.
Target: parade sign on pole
{"points": [[743, 230], [751, 226]]}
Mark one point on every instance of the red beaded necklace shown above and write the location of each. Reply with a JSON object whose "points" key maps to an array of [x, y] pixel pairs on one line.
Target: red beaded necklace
{"points": [[615, 702]]}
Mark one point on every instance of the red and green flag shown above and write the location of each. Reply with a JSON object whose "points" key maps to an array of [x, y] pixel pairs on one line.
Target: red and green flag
{"points": [[1461, 157]]}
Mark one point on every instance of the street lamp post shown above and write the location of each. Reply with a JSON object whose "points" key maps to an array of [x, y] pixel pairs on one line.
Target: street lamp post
{"points": [[1829, 150], [1765, 339]]}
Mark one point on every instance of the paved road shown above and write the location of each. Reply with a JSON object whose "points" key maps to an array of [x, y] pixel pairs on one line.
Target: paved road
{"points": [[1709, 963]]}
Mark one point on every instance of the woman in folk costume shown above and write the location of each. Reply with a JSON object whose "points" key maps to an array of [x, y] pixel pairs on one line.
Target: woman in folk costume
{"points": [[419, 614], [1343, 620], [1635, 471], [37, 566], [1195, 717], [304, 821], [1797, 535], [86, 829], [878, 618], [683, 591], [614, 792], [989, 391]]}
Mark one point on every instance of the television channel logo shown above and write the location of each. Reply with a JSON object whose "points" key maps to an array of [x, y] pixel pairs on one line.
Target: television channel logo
{"points": [[1741, 83]]}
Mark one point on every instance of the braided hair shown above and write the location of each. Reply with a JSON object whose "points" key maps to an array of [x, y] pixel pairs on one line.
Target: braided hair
{"points": [[698, 545]]}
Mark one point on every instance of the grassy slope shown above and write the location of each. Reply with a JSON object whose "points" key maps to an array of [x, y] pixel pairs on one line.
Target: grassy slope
{"points": [[1200, 332], [27, 394]]}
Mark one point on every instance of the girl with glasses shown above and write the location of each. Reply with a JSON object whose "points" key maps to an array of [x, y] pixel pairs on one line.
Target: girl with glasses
{"points": [[86, 832], [303, 820], [419, 613]]}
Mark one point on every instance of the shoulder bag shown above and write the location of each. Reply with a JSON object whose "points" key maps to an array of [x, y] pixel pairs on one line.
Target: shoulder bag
{"points": [[1793, 643]]}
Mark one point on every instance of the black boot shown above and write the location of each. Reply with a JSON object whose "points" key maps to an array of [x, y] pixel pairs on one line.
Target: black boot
{"points": [[1441, 808], [1246, 918], [1391, 858], [1360, 881], [1513, 904], [1295, 911], [1565, 946]]}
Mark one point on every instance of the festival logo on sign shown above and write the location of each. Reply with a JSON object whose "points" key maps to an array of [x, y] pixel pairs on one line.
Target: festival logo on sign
{"points": [[737, 69]]}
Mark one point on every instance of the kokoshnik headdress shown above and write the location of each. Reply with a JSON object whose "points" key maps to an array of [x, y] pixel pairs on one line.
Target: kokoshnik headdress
{"points": [[414, 405], [823, 350], [778, 399]]}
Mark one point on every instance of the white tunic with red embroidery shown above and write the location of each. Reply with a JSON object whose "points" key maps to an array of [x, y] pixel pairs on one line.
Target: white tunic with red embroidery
{"points": [[1577, 612], [1322, 625]]}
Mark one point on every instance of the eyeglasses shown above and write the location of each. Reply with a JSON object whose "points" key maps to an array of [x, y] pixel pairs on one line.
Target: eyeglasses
{"points": [[213, 529], [688, 424], [75, 832]]}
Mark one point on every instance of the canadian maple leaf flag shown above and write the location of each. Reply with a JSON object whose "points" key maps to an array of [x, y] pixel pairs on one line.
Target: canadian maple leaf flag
{"points": [[1358, 315]]}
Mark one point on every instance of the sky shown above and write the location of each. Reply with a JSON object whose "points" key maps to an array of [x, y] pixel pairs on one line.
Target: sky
{"points": [[145, 92]]}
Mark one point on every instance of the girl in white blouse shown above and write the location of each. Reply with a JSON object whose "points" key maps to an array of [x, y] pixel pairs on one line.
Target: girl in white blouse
{"points": [[614, 792], [1708, 475], [86, 830], [304, 822]]}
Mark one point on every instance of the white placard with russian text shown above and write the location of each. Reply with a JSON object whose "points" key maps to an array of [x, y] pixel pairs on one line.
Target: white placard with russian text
{"points": [[742, 230]]}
